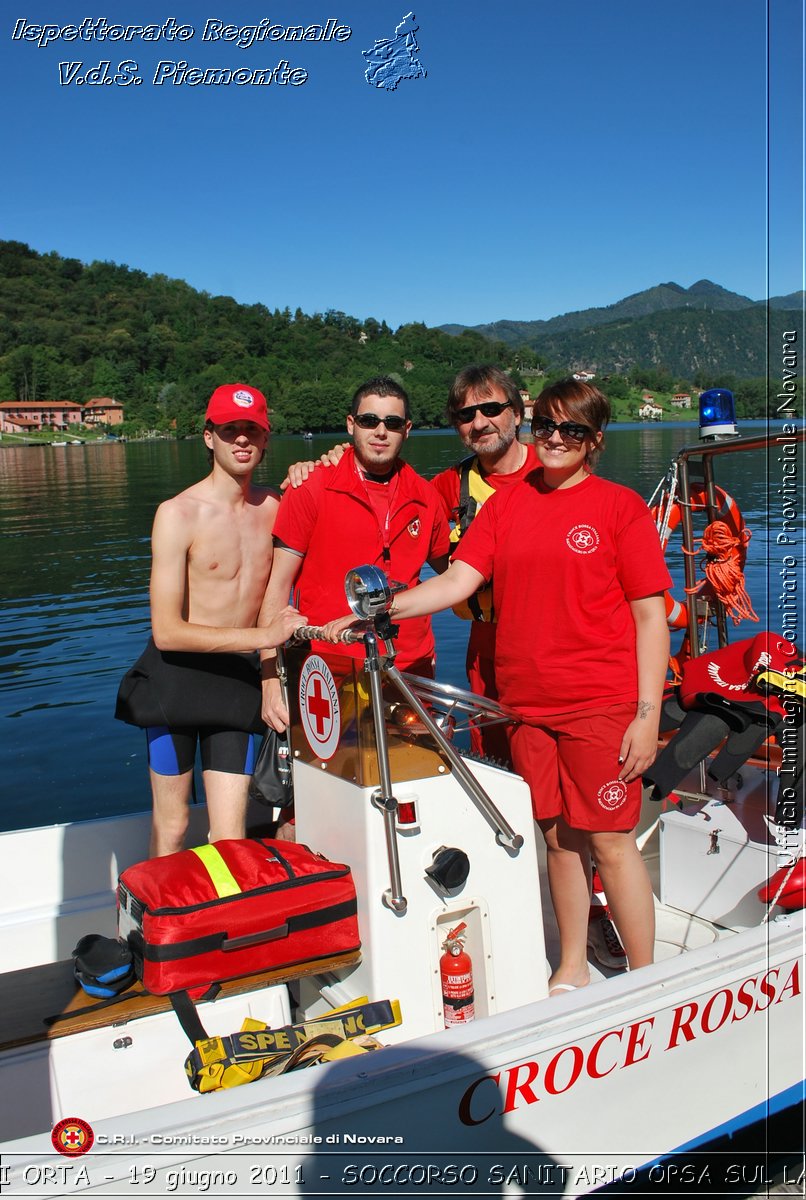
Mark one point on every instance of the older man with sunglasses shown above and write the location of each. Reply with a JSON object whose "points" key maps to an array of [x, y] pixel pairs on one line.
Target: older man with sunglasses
{"points": [[486, 410], [370, 508]]}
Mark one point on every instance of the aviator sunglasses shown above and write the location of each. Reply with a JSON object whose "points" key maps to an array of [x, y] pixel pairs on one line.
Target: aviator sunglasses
{"points": [[569, 431], [372, 421], [490, 408]]}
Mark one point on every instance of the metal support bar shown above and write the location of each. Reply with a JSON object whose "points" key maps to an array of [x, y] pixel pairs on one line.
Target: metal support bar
{"points": [[383, 798], [504, 833]]}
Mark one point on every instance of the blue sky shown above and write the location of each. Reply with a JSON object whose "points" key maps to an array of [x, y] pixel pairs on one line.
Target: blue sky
{"points": [[556, 156]]}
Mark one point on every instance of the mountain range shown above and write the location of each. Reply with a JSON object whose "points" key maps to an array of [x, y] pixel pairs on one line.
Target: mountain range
{"points": [[703, 328]]}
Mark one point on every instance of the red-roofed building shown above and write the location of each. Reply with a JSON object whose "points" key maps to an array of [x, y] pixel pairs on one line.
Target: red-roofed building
{"points": [[103, 411], [25, 416], [21, 416]]}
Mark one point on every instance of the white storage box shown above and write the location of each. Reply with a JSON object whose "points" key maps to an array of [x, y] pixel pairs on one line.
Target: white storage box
{"points": [[714, 856]]}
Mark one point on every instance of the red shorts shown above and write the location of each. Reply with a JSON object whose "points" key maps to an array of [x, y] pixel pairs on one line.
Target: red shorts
{"points": [[570, 762]]}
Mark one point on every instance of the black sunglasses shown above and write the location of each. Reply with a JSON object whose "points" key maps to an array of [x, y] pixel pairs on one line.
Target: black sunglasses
{"points": [[569, 431], [372, 421], [490, 408]]}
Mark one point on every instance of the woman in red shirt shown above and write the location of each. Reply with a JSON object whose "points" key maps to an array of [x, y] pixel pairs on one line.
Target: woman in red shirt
{"points": [[581, 655]]}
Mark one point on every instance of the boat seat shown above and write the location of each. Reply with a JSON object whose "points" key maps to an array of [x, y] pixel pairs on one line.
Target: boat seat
{"points": [[31, 996]]}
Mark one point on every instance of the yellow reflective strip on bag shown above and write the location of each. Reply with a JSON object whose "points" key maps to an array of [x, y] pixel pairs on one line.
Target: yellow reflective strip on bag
{"points": [[221, 877]]}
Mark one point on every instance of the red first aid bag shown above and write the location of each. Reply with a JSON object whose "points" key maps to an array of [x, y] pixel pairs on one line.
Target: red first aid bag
{"points": [[234, 908]]}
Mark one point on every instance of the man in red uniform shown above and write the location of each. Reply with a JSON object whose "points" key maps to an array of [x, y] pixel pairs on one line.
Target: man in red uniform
{"points": [[370, 508], [486, 410]]}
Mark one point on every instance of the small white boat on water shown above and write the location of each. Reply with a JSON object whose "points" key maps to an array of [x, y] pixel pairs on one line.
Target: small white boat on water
{"points": [[560, 1095]]}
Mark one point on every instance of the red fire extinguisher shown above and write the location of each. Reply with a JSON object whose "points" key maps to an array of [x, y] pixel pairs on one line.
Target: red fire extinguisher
{"points": [[456, 977]]}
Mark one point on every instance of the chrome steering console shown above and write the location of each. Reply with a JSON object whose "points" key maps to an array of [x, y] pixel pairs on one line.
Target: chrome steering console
{"points": [[370, 596]]}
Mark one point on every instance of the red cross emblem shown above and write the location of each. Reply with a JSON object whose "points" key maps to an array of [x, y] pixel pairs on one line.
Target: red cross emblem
{"points": [[318, 705]]}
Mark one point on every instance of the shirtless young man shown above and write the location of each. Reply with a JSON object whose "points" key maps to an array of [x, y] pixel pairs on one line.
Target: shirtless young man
{"points": [[211, 559]]}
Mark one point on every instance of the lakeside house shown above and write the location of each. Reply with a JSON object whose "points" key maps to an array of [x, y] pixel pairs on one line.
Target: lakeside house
{"points": [[103, 411], [649, 410], [681, 400], [57, 416]]}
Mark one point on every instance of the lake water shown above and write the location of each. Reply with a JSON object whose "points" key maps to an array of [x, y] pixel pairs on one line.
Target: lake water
{"points": [[75, 524]]}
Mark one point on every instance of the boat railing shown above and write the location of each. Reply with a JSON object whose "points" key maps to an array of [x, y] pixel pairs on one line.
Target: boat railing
{"points": [[694, 465]]}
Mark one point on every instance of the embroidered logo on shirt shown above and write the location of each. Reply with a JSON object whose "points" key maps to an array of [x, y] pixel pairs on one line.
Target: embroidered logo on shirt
{"points": [[583, 539], [414, 527], [612, 795]]}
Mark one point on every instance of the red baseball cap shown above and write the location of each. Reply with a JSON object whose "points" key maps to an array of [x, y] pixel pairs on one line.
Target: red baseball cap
{"points": [[237, 402]]}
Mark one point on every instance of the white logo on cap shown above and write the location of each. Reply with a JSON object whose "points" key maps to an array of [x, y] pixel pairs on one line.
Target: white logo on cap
{"points": [[243, 398]]}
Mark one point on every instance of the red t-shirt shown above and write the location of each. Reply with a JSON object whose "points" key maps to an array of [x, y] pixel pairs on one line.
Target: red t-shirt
{"points": [[565, 563], [339, 521]]}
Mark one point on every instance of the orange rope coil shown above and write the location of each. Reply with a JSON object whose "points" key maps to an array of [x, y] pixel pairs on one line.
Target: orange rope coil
{"points": [[725, 555]]}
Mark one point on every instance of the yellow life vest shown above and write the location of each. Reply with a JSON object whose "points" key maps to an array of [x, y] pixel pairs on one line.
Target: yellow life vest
{"points": [[473, 491]]}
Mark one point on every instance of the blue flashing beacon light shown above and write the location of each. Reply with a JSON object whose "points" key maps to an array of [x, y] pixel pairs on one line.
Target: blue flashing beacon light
{"points": [[717, 414]]}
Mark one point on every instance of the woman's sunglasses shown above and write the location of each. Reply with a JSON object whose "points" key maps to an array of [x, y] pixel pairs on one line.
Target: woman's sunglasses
{"points": [[491, 408], [569, 431], [372, 421]]}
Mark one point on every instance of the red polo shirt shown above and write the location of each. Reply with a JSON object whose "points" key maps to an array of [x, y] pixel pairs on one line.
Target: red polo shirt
{"points": [[336, 520]]}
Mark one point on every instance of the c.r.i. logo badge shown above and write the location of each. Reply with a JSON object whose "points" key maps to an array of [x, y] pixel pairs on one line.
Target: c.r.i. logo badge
{"points": [[72, 1137]]}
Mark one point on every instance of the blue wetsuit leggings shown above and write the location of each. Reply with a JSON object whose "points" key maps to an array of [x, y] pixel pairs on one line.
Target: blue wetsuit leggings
{"points": [[172, 751]]}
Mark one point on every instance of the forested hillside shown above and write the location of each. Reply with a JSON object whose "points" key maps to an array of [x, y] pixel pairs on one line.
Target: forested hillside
{"points": [[693, 332], [69, 331]]}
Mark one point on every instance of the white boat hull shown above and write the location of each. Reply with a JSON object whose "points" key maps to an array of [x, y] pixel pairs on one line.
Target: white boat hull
{"points": [[577, 1093]]}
